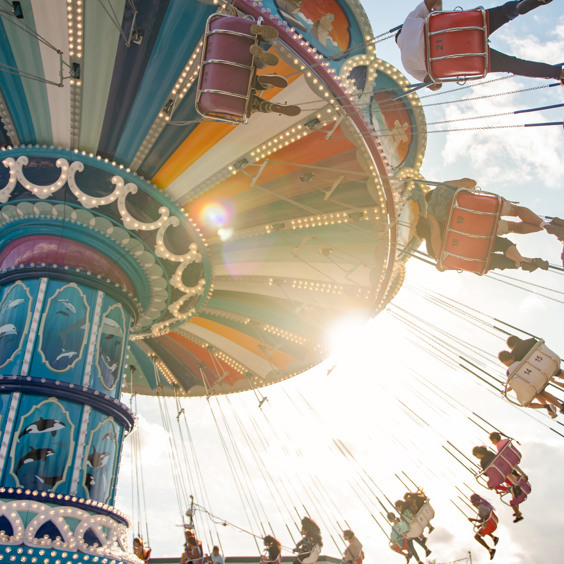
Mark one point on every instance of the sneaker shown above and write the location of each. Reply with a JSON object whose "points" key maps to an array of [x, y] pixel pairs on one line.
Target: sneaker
{"points": [[496, 540], [427, 552], [552, 411], [286, 110], [492, 553], [526, 6], [263, 56], [275, 80], [266, 32], [517, 519], [562, 408]]}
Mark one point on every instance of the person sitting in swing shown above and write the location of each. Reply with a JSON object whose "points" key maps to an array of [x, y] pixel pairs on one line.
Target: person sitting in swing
{"points": [[353, 553], [504, 254], [274, 550], [487, 522], [520, 347], [398, 541], [545, 399], [414, 501], [309, 547], [411, 41], [140, 551], [485, 456]]}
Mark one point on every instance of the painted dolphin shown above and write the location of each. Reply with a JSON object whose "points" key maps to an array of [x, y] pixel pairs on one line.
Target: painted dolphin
{"points": [[8, 329], [66, 354], [12, 304], [68, 305]]}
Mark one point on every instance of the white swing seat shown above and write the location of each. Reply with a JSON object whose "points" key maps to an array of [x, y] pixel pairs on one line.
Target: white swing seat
{"points": [[531, 375], [420, 521]]}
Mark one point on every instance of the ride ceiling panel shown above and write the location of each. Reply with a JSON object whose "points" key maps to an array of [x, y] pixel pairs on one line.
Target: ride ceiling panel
{"points": [[51, 23], [204, 136], [14, 92], [25, 49], [241, 140], [128, 71], [179, 34], [253, 360], [101, 40]]}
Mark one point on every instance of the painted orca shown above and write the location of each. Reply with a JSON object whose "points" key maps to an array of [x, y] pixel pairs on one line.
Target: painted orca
{"points": [[98, 459], [34, 455], [49, 480], [44, 426]]}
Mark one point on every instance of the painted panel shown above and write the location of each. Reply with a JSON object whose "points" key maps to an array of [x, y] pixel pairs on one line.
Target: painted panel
{"points": [[63, 332], [99, 467], [43, 443], [15, 318]]}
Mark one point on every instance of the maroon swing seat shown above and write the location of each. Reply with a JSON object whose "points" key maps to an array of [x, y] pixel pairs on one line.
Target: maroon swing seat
{"points": [[470, 231], [456, 45], [501, 466], [227, 73], [525, 491]]}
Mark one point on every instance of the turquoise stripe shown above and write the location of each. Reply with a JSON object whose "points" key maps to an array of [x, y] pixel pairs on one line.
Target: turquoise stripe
{"points": [[180, 32], [100, 45], [14, 93], [28, 58]]}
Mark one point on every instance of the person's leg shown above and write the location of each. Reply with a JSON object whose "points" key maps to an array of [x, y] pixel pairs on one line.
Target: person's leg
{"points": [[500, 15], [481, 540], [266, 107], [412, 550], [549, 398], [530, 221], [526, 6], [500, 62]]}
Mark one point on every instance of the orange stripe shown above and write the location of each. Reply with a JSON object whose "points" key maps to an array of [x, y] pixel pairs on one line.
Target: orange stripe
{"points": [[206, 135]]}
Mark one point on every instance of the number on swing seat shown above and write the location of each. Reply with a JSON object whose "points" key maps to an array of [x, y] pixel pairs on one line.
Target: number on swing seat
{"points": [[470, 231], [456, 45], [531, 375]]}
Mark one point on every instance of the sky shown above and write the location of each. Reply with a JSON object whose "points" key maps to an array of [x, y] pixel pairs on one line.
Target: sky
{"points": [[390, 403]]}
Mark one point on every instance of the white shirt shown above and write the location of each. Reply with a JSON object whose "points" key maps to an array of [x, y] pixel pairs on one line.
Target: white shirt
{"points": [[411, 42]]}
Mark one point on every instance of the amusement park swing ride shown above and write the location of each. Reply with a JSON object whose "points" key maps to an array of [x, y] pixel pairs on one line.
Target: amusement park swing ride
{"points": [[172, 226]]}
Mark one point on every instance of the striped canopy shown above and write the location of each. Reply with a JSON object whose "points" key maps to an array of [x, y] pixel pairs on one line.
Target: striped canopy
{"points": [[301, 214]]}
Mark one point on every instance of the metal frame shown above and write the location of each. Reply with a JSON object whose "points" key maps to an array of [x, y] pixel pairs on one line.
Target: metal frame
{"points": [[251, 69], [429, 60], [443, 255]]}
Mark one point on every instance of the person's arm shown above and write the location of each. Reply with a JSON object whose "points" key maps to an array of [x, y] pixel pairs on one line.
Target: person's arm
{"points": [[462, 183]]}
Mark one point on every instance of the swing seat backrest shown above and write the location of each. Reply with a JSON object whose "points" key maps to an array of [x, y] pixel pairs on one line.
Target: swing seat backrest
{"points": [[531, 375], [456, 45], [501, 466], [227, 71], [420, 521], [470, 231]]}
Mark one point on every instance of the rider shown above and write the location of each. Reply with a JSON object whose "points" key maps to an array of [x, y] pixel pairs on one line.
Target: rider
{"points": [[487, 522], [309, 547], [411, 41]]}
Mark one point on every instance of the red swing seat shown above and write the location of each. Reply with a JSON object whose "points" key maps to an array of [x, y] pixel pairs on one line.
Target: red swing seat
{"points": [[470, 231], [227, 72], [456, 45], [501, 466], [531, 375], [487, 527]]}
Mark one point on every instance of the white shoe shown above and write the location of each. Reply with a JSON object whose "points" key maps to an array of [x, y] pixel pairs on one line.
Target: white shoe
{"points": [[552, 411]]}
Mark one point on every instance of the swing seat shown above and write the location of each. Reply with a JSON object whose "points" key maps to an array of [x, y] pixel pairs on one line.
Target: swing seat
{"points": [[420, 521], [470, 231], [525, 491], [501, 466], [456, 45], [400, 548], [531, 375], [227, 72], [489, 526]]}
